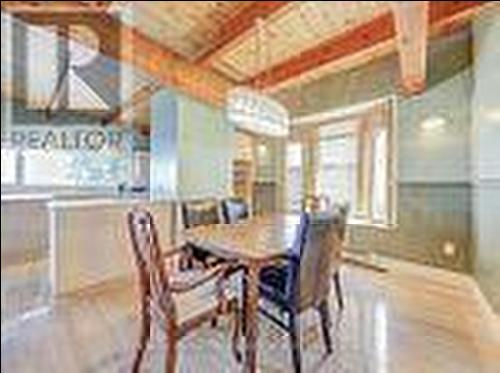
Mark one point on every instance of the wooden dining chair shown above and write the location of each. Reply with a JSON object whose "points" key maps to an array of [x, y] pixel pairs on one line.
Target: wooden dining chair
{"points": [[177, 302], [302, 280], [234, 210]]}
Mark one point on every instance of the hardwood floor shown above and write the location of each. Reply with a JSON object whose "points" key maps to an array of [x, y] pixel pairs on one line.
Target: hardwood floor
{"points": [[409, 319], [25, 286]]}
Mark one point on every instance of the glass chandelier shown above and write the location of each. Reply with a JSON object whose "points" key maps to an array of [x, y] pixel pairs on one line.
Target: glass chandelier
{"points": [[253, 111]]}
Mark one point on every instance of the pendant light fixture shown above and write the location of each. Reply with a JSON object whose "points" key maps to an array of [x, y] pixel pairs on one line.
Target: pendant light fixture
{"points": [[250, 109]]}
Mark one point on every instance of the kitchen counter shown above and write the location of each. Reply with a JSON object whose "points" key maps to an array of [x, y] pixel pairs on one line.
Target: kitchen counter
{"points": [[89, 240]]}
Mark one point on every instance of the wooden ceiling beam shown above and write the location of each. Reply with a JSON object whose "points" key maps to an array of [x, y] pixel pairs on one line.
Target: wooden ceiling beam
{"points": [[140, 96], [355, 41], [238, 25], [411, 22], [55, 6], [172, 70]]}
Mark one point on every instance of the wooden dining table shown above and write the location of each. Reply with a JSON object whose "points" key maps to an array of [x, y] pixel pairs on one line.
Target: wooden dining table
{"points": [[254, 243]]}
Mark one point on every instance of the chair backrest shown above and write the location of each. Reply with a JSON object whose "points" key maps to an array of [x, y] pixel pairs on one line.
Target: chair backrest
{"points": [[234, 210], [309, 275], [200, 212], [153, 274]]}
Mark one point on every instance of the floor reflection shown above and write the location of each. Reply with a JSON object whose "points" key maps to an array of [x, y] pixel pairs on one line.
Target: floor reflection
{"points": [[381, 337]]}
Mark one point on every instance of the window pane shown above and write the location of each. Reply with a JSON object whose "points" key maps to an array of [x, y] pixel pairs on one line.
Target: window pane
{"points": [[337, 178], [380, 187], [294, 176], [8, 166]]}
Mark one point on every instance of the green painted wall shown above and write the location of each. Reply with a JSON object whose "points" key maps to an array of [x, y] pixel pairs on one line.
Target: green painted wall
{"points": [[441, 158], [486, 155], [434, 193]]}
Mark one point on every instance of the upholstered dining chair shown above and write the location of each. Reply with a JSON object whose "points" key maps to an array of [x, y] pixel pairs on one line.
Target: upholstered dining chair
{"points": [[302, 280], [196, 213], [234, 210], [312, 203], [179, 303]]}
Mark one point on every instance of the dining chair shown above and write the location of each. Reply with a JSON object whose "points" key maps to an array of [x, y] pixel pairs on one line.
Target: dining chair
{"points": [[200, 212], [234, 210], [302, 280], [196, 213], [177, 302], [313, 203]]}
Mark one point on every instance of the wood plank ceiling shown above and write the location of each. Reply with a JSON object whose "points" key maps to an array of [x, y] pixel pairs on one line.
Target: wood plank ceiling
{"points": [[212, 45], [292, 30]]}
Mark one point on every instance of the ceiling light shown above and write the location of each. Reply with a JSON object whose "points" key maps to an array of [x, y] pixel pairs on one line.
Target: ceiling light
{"points": [[253, 111]]}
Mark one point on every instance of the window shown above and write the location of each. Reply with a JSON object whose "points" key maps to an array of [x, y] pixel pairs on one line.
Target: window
{"points": [[337, 171], [380, 185], [9, 166], [353, 164], [294, 176]]}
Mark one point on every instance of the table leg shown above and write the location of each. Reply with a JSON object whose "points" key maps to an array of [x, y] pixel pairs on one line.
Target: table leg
{"points": [[251, 309]]}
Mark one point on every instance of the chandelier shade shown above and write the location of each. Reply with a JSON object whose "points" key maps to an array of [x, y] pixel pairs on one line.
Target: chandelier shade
{"points": [[252, 111]]}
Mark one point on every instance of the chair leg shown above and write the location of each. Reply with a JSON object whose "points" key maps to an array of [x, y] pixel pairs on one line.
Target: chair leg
{"points": [[324, 315], [144, 336], [236, 330], [338, 290], [294, 331], [244, 303], [170, 355]]}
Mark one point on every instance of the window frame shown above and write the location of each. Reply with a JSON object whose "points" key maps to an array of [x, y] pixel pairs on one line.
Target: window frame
{"points": [[309, 129], [318, 169]]}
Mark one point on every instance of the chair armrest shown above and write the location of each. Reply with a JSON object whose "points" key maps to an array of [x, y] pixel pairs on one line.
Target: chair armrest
{"points": [[218, 272]]}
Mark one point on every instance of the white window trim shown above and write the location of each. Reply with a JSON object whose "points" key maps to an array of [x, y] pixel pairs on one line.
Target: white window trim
{"points": [[339, 115]]}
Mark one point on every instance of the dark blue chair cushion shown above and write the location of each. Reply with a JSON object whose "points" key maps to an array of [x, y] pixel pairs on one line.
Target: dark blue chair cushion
{"points": [[272, 284]]}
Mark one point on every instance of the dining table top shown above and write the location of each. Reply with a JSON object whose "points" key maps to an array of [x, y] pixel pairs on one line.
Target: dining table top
{"points": [[257, 239]]}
